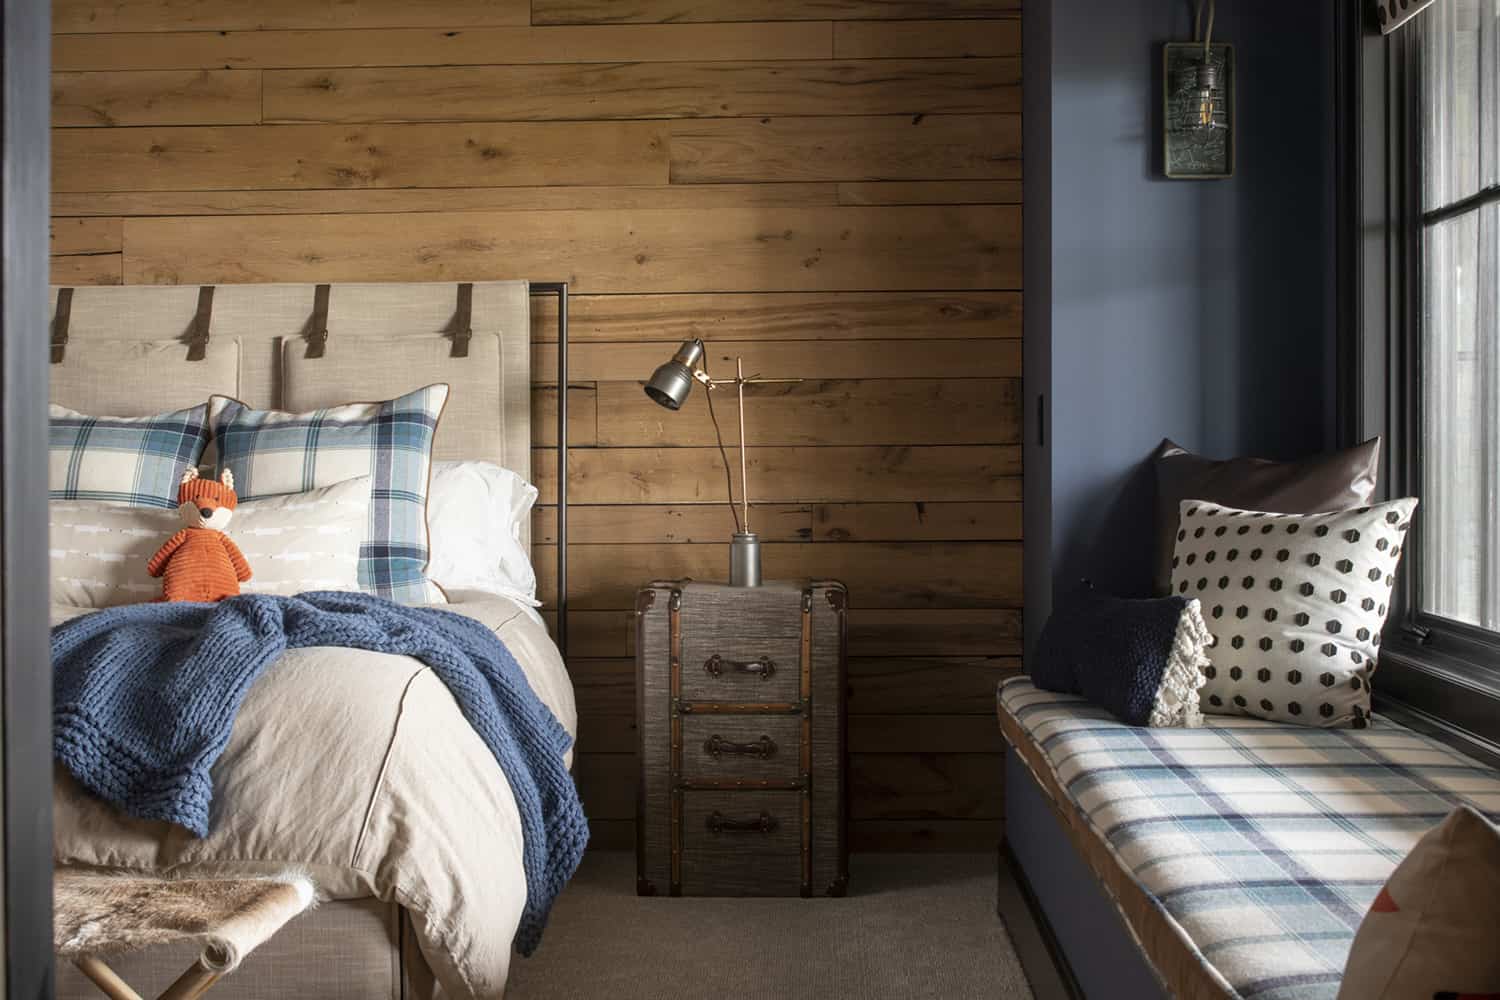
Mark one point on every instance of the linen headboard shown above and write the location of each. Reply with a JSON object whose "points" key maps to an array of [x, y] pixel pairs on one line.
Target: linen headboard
{"points": [[139, 349]]}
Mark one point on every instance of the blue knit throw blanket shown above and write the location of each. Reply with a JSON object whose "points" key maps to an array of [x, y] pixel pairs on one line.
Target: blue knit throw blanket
{"points": [[145, 695]]}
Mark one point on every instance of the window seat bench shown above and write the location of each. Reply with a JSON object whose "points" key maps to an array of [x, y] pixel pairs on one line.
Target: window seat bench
{"points": [[1240, 857]]}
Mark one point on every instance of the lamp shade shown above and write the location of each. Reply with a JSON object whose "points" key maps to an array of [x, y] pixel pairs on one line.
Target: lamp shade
{"points": [[671, 384]]}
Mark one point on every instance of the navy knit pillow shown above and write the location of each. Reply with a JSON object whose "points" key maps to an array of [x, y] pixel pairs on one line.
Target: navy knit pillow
{"points": [[1141, 660]]}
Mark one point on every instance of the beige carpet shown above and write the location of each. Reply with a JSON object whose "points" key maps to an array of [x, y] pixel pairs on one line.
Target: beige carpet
{"points": [[914, 926]]}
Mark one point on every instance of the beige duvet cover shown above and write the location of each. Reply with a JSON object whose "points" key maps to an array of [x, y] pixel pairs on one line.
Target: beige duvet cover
{"points": [[359, 768]]}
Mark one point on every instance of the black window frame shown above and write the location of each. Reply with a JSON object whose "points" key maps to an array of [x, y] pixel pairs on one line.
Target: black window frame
{"points": [[1435, 673]]}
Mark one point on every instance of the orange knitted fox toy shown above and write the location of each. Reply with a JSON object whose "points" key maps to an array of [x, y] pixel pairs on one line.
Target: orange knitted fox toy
{"points": [[200, 563]]}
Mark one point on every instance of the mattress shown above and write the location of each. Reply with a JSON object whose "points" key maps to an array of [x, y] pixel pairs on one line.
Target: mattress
{"points": [[1242, 855], [359, 768]]}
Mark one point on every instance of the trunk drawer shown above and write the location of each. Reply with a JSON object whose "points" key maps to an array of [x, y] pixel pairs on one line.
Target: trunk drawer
{"points": [[751, 748], [741, 843]]}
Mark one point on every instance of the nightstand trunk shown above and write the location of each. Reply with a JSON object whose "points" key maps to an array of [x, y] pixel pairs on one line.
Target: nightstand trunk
{"points": [[740, 711]]}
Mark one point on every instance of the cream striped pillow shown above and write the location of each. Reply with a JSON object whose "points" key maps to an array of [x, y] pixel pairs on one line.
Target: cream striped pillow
{"points": [[294, 543]]}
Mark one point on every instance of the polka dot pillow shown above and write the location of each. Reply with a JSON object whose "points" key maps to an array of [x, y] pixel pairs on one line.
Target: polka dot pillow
{"points": [[1295, 603]]}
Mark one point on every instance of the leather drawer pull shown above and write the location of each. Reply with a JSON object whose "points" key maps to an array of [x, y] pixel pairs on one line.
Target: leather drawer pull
{"points": [[715, 666], [765, 824], [716, 746]]}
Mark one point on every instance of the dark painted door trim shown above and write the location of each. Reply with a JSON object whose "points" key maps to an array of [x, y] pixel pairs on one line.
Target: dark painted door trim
{"points": [[1036, 314], [25, 674]]}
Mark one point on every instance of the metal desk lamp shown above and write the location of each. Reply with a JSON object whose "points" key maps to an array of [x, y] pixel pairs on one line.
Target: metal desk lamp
{"points": [[670, 386]]}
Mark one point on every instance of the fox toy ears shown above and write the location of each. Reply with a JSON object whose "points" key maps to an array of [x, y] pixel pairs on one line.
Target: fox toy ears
{"points": [[227, 477]]}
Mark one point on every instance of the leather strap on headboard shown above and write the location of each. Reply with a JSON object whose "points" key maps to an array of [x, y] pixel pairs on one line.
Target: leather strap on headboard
{"points": [[198, 340], [317, 338], [60, 320], [463, 330]]}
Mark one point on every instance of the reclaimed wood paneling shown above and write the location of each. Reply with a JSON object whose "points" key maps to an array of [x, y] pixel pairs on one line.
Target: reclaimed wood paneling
{"points": [[475, 46], [245, 15], [609, 524], [887, 686], [643, 90], [402, 201], [925, 786], [926, 39], [621, 11], [583, 416], [276, 157], [88, 269], [904, 732], [918, 521], [765, 249], [813, 360], [857, 148], [832, 474], [941, 632], [156, 97], [608, 733], [824, 412], [86, 236], [930, 193], [826, 189], [861, 316]]}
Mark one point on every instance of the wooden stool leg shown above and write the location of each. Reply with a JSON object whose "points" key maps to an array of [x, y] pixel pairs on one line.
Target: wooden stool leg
{"points": [[191, 984], [105, 978]]}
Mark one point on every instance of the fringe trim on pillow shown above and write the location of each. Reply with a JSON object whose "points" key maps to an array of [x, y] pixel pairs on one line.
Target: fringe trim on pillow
{"points": [[1176, 702]]}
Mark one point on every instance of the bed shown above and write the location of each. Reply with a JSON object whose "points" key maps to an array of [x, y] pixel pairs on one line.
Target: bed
{"points": [[353, 766]]}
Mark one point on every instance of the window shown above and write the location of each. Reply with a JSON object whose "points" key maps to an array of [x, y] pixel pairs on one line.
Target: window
{"points": [[1457, 459]]}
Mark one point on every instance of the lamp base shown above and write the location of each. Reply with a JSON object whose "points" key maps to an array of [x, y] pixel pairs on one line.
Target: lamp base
{"points": [[744, 559]]}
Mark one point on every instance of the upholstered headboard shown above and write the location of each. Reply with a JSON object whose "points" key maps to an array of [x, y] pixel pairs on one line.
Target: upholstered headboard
{"points": [[139, 349]]}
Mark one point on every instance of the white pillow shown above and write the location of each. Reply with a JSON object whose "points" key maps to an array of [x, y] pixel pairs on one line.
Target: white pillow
{"points": [[1295, 603], [475, 512], [293, 543]]}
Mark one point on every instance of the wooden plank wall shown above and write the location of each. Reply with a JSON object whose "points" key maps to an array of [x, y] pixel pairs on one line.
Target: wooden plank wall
{"points": [[827, 188]]}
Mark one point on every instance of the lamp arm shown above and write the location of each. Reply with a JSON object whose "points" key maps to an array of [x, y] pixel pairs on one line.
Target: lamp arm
{"points": [[701, 375]]}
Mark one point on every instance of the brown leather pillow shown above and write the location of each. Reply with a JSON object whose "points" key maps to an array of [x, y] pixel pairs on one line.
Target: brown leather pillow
{"points": [[1335, 481]]}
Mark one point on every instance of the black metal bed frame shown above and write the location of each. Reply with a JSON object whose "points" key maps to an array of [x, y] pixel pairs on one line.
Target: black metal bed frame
{"points": [[560, 289]]}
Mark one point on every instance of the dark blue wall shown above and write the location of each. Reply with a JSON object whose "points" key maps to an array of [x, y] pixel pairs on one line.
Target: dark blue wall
{"points": [[1197, 310]]}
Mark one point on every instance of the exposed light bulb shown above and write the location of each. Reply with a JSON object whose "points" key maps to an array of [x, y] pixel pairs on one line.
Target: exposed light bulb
{"points": [[1201, 115]]}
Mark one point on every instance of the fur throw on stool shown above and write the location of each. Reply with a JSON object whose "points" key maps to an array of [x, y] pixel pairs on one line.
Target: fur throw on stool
{"points": [[200, 563], [99, 913]]}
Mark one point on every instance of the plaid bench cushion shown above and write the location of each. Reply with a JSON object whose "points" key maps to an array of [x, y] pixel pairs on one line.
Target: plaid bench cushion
{"points": [[1243, 855]]}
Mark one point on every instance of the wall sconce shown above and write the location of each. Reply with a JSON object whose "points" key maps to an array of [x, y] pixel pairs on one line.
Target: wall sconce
{"points": [[1198, 103], [669, 386]]}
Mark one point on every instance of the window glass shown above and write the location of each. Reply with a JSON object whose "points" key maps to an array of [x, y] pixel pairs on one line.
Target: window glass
{"points": [[1459, 390]]}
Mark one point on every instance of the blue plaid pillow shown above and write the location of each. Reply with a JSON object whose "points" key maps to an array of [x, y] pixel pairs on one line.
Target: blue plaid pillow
{"points": [[273, 453], [133, 460]]}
